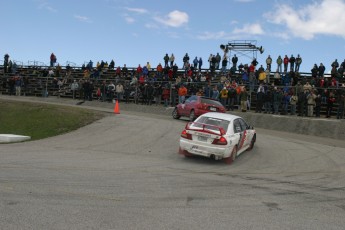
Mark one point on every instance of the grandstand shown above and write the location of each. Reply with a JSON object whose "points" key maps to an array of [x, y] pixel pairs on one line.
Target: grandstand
{"points": [[39, 82]]}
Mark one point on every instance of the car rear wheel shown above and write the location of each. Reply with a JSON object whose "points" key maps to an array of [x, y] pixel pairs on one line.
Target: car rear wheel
{"points": [[185, 153], [175, 114], [192, 115], [232, 157]]}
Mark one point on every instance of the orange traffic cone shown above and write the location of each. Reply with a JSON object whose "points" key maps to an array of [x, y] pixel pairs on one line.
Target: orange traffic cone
{"points": [[116, 108]]}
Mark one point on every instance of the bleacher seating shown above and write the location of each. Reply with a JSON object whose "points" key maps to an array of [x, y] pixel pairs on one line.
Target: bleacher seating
{"points": [[41, 85]]}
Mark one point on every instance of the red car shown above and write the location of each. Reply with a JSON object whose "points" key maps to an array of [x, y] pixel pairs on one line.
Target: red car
{"points": [[195, 106]]}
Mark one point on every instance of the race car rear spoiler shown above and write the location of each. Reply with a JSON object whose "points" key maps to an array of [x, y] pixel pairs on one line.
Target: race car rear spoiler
{"points": [[206, 128]]}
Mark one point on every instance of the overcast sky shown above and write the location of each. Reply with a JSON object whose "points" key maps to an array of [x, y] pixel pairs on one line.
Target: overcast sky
{"points": [[135, 32]]}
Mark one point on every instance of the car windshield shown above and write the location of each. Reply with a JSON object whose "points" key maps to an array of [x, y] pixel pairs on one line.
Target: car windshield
{"points": [[214, 122], [210, 101]]}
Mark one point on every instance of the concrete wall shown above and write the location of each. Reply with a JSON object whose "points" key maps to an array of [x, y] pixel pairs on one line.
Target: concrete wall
{"points": [[323, 127]]}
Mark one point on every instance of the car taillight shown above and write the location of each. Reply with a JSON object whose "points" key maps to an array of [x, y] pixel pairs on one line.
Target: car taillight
{"points": [[221, 141], [186, 135]]}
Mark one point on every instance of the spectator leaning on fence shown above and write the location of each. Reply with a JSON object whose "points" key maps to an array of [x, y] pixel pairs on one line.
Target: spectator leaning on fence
{"points": [[182, 93], [293, 104], [341, 103], [223, 96], [74, 88], [311, 103], [244, 99], [18, 84], [330, 102]]}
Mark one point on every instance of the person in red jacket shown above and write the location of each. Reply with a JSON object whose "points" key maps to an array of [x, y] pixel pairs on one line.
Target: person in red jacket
{"points": [[286, 62], [166, 95], [139, 69]]}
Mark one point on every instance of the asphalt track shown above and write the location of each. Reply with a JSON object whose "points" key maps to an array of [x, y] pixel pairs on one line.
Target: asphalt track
{"points": [[123, 172]]}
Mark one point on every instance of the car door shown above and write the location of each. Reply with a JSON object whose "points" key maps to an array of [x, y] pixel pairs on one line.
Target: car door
{"points": [[237, 132], [245, 134], [190, 104], [183, 108]]}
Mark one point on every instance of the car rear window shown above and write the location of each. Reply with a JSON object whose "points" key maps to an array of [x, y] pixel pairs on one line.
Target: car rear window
{"points": [[210, 101], [214, 121]]}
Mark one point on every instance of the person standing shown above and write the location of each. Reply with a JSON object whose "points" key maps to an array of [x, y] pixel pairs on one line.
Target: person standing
{"points": [[52, 59], [195, 62], [244, 99], [210, 61], [166, 94], [215, 93], [318, 105], [279, 64], [171, 60], [286, 63], [232, 94], [302, 101], [268, 101], [276, 99], [234, 61], [224, 64], [119, 91], [157, 93], [200, 63], [127, 91], [185, 60], [330, 102], [81, 89], [86, 88], [224, 96], [293, 104], [286, 102], [292, 61], [74, 88], [18, 85], [311, 103], [110, 91], [268, 63], [218, 59], [298, 63], [104, 91], [260, 96], [166, 60], [182, 93], [341, 104], [6, 61]]}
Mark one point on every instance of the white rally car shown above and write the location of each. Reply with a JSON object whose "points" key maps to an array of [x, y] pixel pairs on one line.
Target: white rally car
{"points": [[217, 136]]}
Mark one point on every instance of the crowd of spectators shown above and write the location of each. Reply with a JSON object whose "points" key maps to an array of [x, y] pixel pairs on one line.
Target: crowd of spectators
{"points": [[287, 92]]}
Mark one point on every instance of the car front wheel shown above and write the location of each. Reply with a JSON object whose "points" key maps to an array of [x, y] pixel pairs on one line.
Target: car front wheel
{"points": [[192, 115], [252, 143], [175, 114]]}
